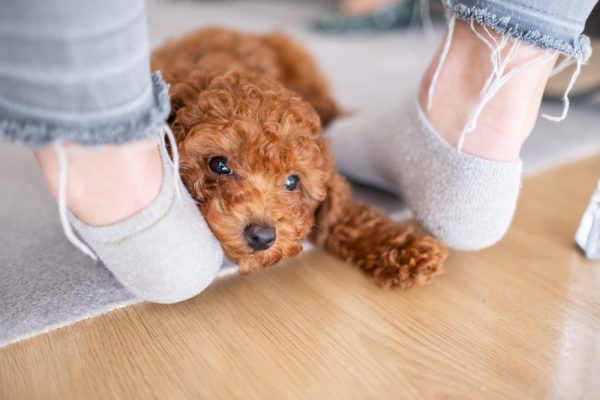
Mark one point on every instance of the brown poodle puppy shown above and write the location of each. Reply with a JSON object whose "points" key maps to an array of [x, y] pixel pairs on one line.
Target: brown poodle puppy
{"points": [[247, 114]]}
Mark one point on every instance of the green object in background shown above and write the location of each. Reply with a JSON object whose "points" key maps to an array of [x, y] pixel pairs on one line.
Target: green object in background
{"points": [[395, 16]]}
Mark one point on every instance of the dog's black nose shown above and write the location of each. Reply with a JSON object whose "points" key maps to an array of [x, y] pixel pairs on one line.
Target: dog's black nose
{"points": [[259, 237]]}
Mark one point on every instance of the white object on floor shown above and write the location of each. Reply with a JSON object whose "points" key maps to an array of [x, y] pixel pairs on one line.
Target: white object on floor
{"points": [[588, 233]]}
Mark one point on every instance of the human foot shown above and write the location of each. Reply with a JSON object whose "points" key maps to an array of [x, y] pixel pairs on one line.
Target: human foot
{"points": [[466, 198], [152, 238], [508, 118], [458, 170], [465, 201], [108, 184]]}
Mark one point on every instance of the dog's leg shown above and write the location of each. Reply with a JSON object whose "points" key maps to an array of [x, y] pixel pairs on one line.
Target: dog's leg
{"points": [[395, 255]]}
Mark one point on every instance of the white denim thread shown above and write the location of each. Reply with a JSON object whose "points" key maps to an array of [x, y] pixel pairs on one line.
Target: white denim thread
{"points": [[499, 75]]}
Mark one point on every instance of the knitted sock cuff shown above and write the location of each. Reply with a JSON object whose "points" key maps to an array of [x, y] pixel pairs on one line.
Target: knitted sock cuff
{"points": [[140, 221], [465, 200]]}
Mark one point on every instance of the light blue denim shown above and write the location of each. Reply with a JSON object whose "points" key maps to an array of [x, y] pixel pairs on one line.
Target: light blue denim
{"points": [[77, 70], [548, 24]]}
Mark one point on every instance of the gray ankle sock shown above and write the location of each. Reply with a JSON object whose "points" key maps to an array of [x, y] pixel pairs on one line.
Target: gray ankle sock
{"points": [[466, 201], [166, 252]]}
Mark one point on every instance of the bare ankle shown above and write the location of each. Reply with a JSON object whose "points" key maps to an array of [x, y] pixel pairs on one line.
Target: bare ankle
{"points": [[105, 185], [508, 118]]}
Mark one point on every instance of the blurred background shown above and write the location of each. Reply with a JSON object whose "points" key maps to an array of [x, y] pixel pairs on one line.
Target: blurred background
{"points": [[374, 52], [364, 46]]}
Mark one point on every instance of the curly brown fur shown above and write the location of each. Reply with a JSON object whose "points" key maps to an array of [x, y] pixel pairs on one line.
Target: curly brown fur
{"points": [[260, 102], [200, 56], [395, 255]]}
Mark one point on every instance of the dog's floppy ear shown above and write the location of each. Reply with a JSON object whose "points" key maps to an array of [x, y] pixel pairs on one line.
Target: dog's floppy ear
{"points": [[184, 110], [331, 210]]}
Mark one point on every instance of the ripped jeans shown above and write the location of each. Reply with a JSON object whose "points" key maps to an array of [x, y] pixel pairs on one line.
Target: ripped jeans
{"points": [[79, 71], [73, 70], [548, 24]]}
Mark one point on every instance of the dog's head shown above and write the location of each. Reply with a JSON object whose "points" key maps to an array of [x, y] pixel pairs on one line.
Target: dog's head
{"points": [[253, 156]]}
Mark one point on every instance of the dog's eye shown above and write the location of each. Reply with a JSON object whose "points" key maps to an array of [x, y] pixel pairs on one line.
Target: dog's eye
{"points": [[291, 182], [218, 165]]}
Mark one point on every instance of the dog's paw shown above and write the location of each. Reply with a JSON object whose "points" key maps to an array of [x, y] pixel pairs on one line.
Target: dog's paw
{"points": [[412, 262]]}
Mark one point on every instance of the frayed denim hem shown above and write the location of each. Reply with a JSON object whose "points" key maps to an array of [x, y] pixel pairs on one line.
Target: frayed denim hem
{"points": [[35, 133], [579, 48]]}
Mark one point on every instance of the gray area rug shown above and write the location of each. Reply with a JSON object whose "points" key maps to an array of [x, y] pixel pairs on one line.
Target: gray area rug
{"points": [[45, 283]]}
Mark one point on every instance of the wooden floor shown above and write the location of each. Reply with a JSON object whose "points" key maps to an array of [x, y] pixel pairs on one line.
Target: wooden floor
{"points": [[518, 321]]}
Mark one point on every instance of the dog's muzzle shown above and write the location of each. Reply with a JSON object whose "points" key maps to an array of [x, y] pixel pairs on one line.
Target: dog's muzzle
{"points": [[260, 237]]}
